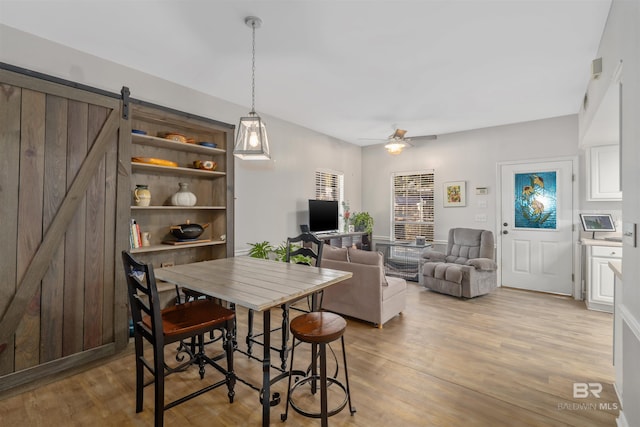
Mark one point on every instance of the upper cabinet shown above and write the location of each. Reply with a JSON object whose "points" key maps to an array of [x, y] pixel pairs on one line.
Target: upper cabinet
{"points": [[603, 173], [601, 143]]}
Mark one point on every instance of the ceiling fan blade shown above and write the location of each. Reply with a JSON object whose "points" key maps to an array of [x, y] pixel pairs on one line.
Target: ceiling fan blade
{"points": [[424, 137]]}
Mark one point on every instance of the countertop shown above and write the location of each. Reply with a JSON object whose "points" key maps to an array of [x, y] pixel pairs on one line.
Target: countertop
{"points": [[616, 266], [600, 242]]}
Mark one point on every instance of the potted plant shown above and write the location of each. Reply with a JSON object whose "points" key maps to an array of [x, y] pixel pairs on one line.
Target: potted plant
{"points": [[260, 250], [362, 221], [264, 250]]}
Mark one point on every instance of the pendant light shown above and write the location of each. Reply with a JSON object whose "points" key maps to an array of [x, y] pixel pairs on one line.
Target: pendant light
{"points": [[251, 138]]}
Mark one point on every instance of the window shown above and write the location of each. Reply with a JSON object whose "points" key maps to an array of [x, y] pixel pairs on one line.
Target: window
{"points": [[329, 185], [413, 210]]}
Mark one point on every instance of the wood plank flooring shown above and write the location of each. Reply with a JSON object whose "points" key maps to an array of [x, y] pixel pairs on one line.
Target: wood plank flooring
{"points": [[505, 359]]}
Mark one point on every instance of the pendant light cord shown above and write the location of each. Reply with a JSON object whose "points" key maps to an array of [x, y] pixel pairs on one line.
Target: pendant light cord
{"points": [[253, 70]]}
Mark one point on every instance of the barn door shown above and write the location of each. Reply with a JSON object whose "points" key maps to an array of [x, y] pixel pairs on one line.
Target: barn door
{"points": [[60, 296]]}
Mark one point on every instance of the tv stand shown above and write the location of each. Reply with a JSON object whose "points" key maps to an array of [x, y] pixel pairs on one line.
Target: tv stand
{"points": [[358, 238]]}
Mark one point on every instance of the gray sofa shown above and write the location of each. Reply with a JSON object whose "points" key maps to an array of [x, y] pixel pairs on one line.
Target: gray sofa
{"points": [[467, 268], [369, 295]]}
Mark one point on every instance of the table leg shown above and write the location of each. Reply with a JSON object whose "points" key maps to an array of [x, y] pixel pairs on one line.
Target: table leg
{"points": [[315, 306], [284, 350], [266, 367]]}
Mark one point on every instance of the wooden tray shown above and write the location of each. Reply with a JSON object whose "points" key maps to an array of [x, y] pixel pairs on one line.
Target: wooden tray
{"points": [[186, 242]]}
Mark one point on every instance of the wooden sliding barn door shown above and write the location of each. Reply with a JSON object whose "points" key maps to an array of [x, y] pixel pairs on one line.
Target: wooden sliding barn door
{"points": [[63, 206]]}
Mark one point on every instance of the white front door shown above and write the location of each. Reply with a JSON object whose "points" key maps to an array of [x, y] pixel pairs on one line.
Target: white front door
{"points": [[536, 226]]}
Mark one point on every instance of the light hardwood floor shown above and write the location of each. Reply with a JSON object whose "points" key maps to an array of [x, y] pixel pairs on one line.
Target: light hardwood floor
{"points": [[506, 359]]}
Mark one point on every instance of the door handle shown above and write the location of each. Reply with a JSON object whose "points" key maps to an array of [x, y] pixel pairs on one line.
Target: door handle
{"points": [[505, 232]]}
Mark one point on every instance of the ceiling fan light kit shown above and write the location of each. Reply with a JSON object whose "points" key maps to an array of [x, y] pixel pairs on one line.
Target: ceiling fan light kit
{"points": [[396, 142], [395, 147], [251, 139]]}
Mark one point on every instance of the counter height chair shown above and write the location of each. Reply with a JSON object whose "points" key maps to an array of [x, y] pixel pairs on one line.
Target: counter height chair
{"points": [[178, 323], [318, 329], [303, 249]]}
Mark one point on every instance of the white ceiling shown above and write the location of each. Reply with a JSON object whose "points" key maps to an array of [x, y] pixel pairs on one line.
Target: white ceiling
{"points": [[349, 69]]}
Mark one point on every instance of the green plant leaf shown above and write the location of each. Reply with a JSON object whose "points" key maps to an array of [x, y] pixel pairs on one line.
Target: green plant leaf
{"points": [[260, 250]]}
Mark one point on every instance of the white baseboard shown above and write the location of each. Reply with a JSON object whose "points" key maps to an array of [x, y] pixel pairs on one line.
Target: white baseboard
{"points": [[634, 325], [621, 421], [630, 319]]}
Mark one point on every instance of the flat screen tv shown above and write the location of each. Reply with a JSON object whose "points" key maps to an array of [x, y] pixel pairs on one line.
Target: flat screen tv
{"points": [[597, 222], [323, 215]]}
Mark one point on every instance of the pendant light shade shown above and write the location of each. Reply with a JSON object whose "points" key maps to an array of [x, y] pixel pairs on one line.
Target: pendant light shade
{"points": [[251, 139]]}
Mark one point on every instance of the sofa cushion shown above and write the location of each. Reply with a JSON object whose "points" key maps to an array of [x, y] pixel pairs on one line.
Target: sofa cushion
{"points": [[359, 256], [395, 286], [444, 271], [333, 253]]}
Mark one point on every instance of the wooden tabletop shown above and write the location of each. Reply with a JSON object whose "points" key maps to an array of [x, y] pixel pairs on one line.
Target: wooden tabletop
{"points": [[253, 283]]}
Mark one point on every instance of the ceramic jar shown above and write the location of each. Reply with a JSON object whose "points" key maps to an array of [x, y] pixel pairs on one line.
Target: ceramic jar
{"points": [[142, 195], [146, 239], [183, 197]]}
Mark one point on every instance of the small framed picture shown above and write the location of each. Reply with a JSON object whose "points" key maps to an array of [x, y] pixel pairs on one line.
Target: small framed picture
{"points": [[455, 194]]}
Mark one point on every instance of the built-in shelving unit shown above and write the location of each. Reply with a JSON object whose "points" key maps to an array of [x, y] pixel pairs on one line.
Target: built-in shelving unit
{"points": [[213, 188]]}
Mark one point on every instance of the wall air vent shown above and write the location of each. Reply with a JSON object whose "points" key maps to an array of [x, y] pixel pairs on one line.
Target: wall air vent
{"points": [[596, 68]]}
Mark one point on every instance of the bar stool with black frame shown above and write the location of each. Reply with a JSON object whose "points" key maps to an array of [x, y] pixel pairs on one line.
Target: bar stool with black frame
{"points": [[318, 329]]}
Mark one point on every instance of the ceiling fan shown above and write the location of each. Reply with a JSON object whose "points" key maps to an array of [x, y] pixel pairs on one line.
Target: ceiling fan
{"points": [[396, 142]]}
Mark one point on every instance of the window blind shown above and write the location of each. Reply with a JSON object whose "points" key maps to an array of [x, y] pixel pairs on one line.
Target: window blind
{"points": [[413, 206], [328, 186]]}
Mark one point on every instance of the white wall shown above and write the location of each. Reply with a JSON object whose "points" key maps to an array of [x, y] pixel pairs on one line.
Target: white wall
{"points": [[470, 156], [621, 42], [271, 197]]}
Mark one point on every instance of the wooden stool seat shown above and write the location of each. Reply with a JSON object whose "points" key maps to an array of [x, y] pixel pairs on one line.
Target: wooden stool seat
{"points": [[183, 320], [318, 327]]}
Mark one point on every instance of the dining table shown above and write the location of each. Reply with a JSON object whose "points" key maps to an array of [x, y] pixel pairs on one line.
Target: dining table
{"points": [[256, 284]]}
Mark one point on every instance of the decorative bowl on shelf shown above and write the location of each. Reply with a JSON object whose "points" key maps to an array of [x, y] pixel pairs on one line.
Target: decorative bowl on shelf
{"points": [[208, 165], [187, 231], [154, 161], [178, 137], [208, 144]]}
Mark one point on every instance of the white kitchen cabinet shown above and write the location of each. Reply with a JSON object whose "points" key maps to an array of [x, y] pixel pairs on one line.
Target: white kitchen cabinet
{"points": [[603, 170], [600, 278]]}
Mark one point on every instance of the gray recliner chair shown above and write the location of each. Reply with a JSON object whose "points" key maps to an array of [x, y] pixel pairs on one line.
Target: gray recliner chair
{"points": [[467, 269]]}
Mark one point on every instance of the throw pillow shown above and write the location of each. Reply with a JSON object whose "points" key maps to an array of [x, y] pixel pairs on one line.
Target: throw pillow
{"points": [[334, 254]]}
